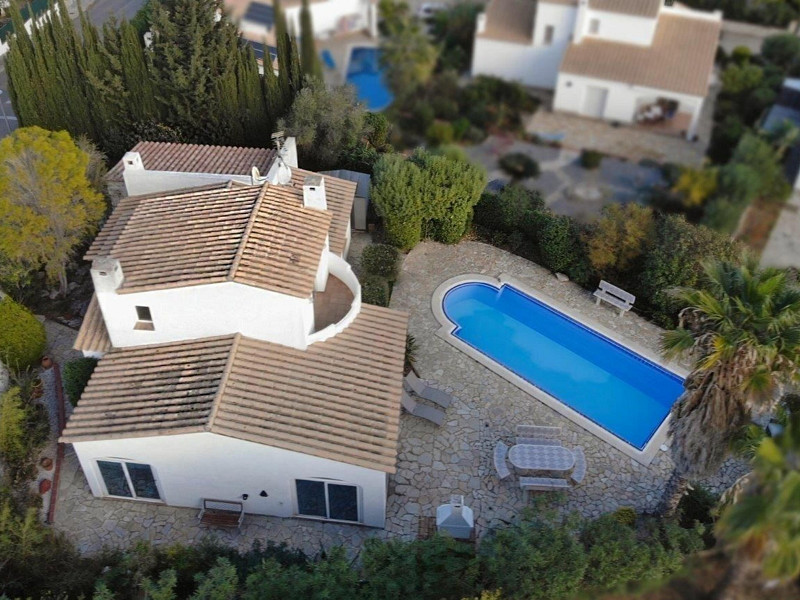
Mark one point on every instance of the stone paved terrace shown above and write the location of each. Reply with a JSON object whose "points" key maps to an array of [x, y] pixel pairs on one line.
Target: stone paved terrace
{"points": [[433, 462]]}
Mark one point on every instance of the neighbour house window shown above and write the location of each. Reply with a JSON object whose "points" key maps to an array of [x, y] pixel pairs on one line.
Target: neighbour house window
{"points": [[549, 33], [128, 479], [594, 26], [327, 500], [144, 320]]}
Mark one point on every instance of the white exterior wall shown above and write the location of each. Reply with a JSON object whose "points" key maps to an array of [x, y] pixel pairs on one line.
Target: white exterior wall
{"points": [[151, 182], [535, 65], [326, 16], [623, 29], [194, 466], [622, 101], [189, 313]]}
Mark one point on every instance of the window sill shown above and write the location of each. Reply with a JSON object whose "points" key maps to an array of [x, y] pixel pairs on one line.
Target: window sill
{"points": [[324, 520], [144, 326]]}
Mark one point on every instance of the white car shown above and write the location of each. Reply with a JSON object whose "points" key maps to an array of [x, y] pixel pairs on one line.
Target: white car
{"points": [[428, 9]]}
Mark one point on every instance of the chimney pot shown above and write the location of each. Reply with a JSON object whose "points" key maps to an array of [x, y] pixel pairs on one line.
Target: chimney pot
{"points": [[314, 192]]}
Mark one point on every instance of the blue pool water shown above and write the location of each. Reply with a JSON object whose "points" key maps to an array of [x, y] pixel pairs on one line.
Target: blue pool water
{"points": [[365, 74], [622, 392]]}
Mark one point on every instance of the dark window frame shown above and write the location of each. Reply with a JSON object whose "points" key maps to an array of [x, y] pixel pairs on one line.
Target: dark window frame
{"points": [[326, 499]]}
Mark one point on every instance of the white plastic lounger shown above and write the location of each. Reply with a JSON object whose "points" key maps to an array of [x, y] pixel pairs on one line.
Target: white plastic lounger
{"points": [[423, 390], [579, 472], [434, 415], [538, 431], [538, 441], [500, 464], [543, 484]]}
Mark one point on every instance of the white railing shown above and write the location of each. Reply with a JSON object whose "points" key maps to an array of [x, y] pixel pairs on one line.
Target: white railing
{"points": [[341, 269]]}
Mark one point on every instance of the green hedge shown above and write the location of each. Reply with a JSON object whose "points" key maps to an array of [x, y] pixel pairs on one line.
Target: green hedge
{"points": [[591, 159], [76, 375], [519, 165], [375, 290], [381, 260], [22, 336]]}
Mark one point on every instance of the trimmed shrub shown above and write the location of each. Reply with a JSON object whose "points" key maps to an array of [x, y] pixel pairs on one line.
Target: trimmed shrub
{"points": [[625, 515], [507, 210], [375, 290], [22, 336], [519, 165], [741, 55], [439, 133], [591, 159], [556, 243], [381, 260], [76, 375]]}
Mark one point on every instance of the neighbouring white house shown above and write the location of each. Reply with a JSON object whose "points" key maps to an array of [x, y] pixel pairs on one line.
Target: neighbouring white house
{"points": [[786, 113], [237, 362], [627, 61], [330, 18]]}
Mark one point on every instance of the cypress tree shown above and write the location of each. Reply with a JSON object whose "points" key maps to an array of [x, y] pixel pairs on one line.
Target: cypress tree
{"points": [[309, 57], [137, 78], [273, 97], [284, 48], [295, 70]]}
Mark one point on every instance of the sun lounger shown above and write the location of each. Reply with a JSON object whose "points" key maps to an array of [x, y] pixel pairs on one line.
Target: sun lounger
{"points": [[543, 484], [434, 415], [500, 464], [423, 390]]}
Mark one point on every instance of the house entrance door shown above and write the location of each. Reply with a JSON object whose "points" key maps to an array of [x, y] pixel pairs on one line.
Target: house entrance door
{"points": [[594, 105]]}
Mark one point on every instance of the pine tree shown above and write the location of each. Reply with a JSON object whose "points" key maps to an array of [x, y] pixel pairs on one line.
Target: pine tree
{"points": [[309, 57]]}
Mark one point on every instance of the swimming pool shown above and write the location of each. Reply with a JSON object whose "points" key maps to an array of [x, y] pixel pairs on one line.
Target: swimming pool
{"points": [[601, 380], [365, 74]]}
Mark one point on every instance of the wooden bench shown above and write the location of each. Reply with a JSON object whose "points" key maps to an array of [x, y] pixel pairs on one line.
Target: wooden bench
{"points": [[615, 296], [221, 513]]}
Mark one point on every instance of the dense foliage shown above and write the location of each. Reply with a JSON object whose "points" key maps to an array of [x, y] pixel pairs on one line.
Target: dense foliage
{"points": [[49, 206], [197, 82], [375, 290], [519, 165], [425, 195], [23, 431], [591, 159], [22, 336], [382, 260], [76, 374], [454, 30]]}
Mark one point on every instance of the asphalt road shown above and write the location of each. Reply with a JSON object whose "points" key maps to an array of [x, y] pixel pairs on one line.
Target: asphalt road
{"points": [[99, 12]]}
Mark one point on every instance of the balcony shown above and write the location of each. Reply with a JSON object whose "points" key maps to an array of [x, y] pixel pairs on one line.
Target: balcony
{"points": [[339, 304]]}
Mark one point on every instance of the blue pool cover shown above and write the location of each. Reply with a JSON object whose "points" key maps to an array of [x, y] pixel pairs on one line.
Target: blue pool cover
{"points": [[365, 74], [619, 390]]}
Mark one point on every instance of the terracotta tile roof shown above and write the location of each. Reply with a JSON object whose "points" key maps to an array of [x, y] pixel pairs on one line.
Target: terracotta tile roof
{"points": [[339, 399], [198, 158], [93, 335], [637, 8], [681, 58], [510, 21], [339, 194], [257, 235]]}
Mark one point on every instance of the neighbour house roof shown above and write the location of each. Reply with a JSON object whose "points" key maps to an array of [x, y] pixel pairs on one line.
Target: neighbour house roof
{"points": [[93, 335], [259, 235], [338, 399], [198, 158], [362, 180], [681, 58], [510, 21], [637, 8]]}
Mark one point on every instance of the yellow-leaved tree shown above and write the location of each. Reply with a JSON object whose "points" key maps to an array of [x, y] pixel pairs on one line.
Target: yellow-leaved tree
{"points": [[47, 203]]}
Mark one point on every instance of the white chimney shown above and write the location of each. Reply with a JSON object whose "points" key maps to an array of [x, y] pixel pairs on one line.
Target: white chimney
{"points": [[480, 23], [314, 192], [455, 518], [106, 274], [288, 151], [132, 161]]}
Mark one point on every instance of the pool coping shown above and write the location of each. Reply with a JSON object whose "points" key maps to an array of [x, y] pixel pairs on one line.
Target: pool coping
{"points": [[445, 331]]}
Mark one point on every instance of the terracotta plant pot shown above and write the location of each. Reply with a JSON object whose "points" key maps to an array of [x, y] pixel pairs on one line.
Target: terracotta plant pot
{"points": [[44, 486], [46, 463], [47, 362]]}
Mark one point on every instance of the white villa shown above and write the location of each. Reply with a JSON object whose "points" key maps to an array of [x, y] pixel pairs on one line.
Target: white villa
{"points": [[330, 18], [237, 360], [627, 61]]}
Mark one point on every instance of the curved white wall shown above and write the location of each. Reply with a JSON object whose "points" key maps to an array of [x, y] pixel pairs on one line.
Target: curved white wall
{"points": [[341, 269]]}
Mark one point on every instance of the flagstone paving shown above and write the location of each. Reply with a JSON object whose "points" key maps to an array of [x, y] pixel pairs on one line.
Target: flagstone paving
{"points": [[433, 463]]}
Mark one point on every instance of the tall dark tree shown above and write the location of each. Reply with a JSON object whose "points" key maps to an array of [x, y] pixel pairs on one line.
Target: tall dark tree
{"points": [[309, 59]]}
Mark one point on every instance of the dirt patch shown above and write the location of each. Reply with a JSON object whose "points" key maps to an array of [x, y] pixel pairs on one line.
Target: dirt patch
{"points": [[758, 222]]}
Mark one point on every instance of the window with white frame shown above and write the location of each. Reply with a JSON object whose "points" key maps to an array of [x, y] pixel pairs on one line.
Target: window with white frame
{"points": [[594, 26], [128, 479], [327, 500]]}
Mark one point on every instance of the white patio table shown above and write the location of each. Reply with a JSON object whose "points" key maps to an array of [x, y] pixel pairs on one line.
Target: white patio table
{"points": [[541, 458]]}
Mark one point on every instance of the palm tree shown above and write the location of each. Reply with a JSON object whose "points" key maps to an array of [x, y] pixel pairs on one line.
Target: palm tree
{"points": [[742, 332], [763, 523]]}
